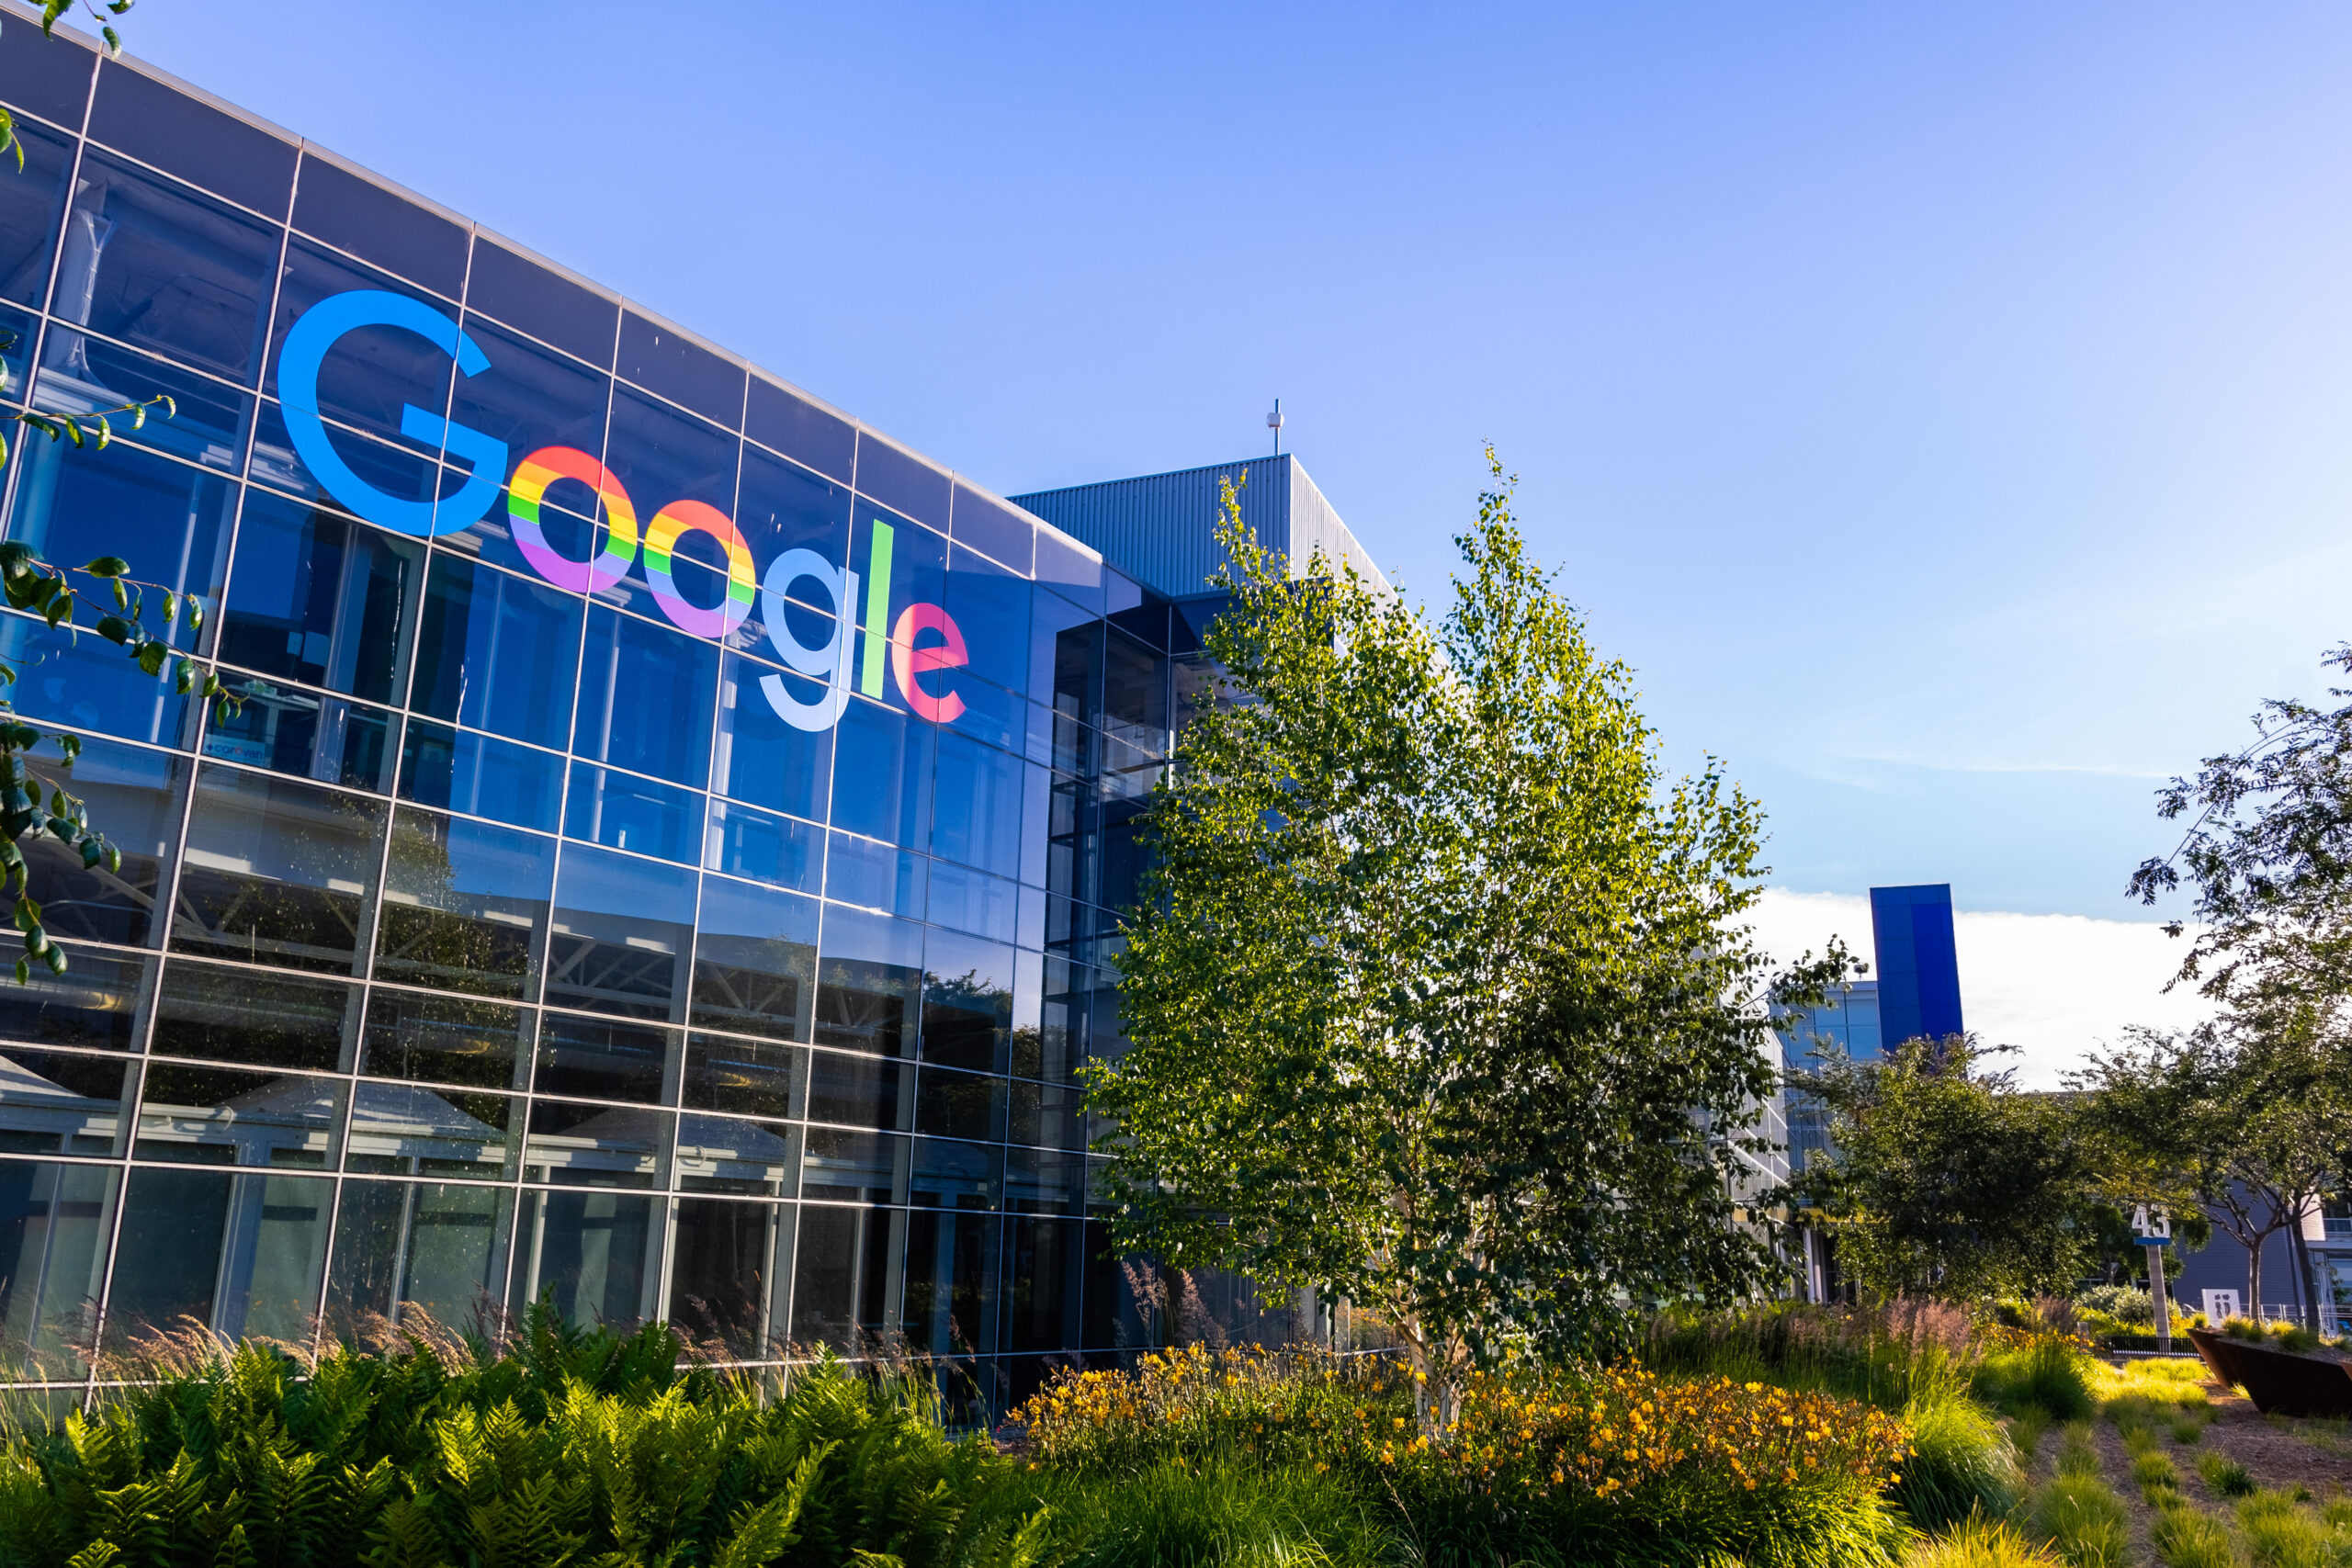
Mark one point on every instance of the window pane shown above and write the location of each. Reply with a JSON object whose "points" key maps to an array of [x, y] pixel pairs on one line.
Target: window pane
{"points": [[755, 959], [1042, 1273], [1050, 1116], [465, 906], [240, 1254], [622, 928], [239, 1015], [973, 901], [374, 371], [209, 421], [842, 1167], [590, 1057], [548, 305], [596, 1145], [408, 1129], [761, 758], [781, 851], [158, 266], [87, 682], [859, 1091], [993, 529], [1045, 1181], [728, 1154], [646, 695], [53, 1102], [991, 606], [220, 1116], [134, 797], [355, 214], [868, 979], [411, 1253], [751, 1076], [100, 1003], [276, 872], [785, 507], [799, 429], [976, 815], [846, 1282], [959, 1105], [445, 1040], [661, 455], [317, 598], [464, 772], [31, 201], [874, 876], [731, 1274], [967, 1003], [951, 1265], [54, 1225], [957, 1175], [882, 765], [596, 1256], [299, 733], [495, 652], [622, 811], [169, 521]]}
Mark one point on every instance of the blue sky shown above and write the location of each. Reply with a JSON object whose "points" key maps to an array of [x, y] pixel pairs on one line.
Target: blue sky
{"points": [[1942, 409]]}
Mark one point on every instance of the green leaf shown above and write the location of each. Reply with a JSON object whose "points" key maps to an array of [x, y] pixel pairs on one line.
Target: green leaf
{"points": [[55, 958], [108, 566], [151, 654], [25, 977], [184, 677], [115, 629]]}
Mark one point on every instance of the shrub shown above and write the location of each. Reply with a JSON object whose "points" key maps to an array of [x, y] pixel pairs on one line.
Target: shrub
{"points": [[578, 1445], [1219, 1512], [1902, 1354], [2224, 1475], [2186, 1538], [2026, 1427], [1960, 1464], [2281, 1534], [2048, 1372], [2085, 1520], [2152, 1473], [1981, 1543]]}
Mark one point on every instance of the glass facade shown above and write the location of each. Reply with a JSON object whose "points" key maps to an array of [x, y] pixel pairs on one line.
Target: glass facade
{"points": [[665, 857]]}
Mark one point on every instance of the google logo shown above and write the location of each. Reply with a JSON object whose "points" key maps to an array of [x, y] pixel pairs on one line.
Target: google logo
{"points": [[319, 328]]}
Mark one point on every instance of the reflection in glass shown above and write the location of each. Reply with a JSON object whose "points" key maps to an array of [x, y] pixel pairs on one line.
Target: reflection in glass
{"points": [[87, 682], [869, 973], [646, 696], [460, 771], [882, 764], [151, 262], [842, 1167], [728, 1154], [238, 1015], [134, 799], [169, 520], [973, 901], [53, 1102], [100, 1003], [622, 811], [751, 1078], [465, 906], [844, 1288], [318, 598], [781, 851], [1043, 1275], [496, 652], [276, 872], [592, 1057], [731, 1274], [762, 758], [406, 1249], [445, 1040], [1050, 1116], [31, 200], [967, 1003], [951, 1283], [875, 876], [596, 1256], [409, 1130], [596, 1145], [376, 370], [860, 1091], [54, 1220], [948, 1175], [622, 928], [89, 376], [959, 1105], [291, 731], [755, 959], [975, 818], [219, 1116], [240, 1254], [1044, 1181]]}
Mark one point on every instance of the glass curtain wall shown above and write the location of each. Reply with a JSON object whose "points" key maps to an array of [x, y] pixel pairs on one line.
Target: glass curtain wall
{"points": [[508, 942]]}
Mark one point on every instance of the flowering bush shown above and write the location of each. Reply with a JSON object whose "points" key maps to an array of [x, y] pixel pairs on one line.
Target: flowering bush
{"points": [[1604, 1453]]}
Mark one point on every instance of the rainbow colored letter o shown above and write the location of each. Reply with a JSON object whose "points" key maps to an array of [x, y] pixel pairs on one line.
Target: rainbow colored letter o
{"points": [[532, 476], [661, 537]]}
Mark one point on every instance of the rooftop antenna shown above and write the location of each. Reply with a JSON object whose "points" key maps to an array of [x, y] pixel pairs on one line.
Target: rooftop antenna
{"points": [[1274, 423]]}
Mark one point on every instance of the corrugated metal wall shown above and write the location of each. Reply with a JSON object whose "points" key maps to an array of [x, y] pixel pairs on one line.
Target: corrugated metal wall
{"points": [[1160, 528]]}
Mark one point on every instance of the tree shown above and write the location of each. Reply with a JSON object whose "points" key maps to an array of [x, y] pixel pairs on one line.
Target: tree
{"points": [[2248, 1117], [1437, 995], [1945, 1178]]}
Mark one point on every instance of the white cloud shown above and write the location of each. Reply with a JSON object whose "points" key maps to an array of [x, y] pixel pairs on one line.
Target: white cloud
{"points": [[2054, 986]]}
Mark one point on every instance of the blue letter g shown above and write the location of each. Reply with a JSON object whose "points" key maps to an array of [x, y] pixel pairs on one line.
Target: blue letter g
{"points": [[318, 331]]}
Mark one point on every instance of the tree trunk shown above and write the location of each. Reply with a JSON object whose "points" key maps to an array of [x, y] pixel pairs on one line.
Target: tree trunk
{"points": [[2299, 1253], [2254, 1275]]}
